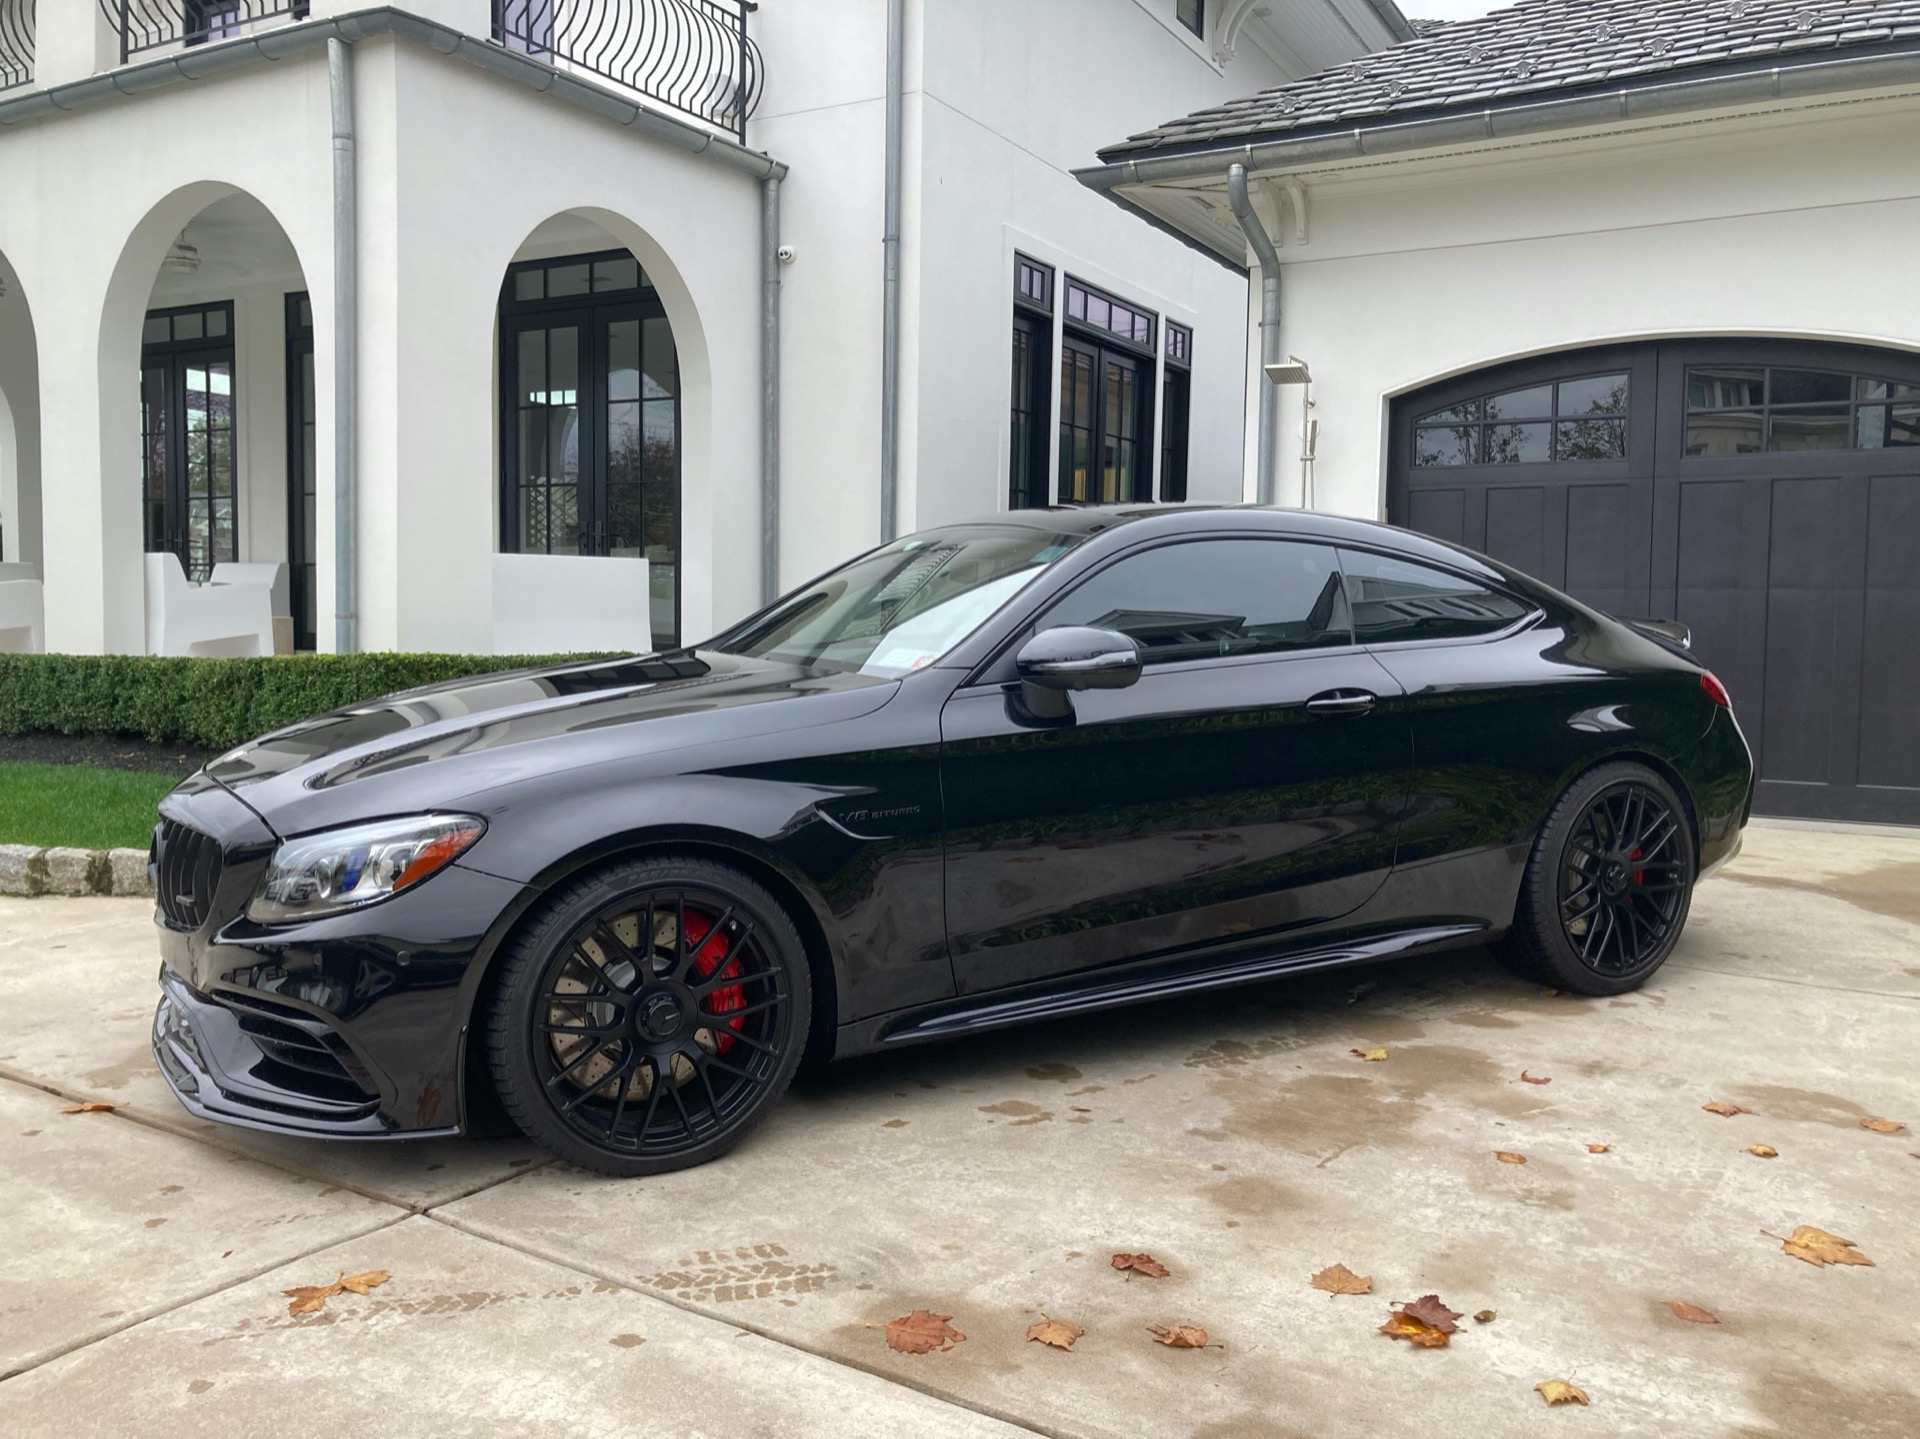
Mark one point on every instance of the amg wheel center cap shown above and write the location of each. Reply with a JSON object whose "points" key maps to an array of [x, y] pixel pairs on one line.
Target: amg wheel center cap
{"points": [[660, 1017], [1613, 878]]}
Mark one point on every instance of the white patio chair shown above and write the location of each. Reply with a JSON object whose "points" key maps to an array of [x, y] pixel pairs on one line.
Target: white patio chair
{"points": [[189, 619], [23, 611], [273, 574]]}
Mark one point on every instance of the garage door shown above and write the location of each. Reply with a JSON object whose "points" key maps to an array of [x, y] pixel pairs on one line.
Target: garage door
{"points": [[1767, 494]]}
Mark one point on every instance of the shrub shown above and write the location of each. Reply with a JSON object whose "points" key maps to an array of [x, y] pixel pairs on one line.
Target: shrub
{"points": [[212, 703]]}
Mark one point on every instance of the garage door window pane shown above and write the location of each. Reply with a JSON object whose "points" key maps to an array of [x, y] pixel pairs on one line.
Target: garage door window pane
{"points": [[1591, 440], [1593, 395], [1210, 598], [1394, 600], [1531, 404], [1728, 432], [1519, 444], [1800, 387], [1717, 389], [1446, 445], [1882, 428], [1454, 414], [1809, 427]]}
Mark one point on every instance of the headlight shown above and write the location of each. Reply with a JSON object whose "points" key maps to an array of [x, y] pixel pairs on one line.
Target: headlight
{"points": [[341, 869]]}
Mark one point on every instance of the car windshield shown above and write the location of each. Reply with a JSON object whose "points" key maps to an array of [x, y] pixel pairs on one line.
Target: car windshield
{"points": [[905, 605]]}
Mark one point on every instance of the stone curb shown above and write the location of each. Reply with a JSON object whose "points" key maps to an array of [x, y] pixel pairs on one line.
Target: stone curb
{"points": [[27, 869]]}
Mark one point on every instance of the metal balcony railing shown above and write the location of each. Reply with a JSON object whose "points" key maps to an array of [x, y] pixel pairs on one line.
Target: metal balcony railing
{"points": [[16, 43], [150, 24], [693, 56]]}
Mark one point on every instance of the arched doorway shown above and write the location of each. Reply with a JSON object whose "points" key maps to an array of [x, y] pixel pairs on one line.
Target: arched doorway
{"points": [[590, 411], [19, 424], [1766, 493]]}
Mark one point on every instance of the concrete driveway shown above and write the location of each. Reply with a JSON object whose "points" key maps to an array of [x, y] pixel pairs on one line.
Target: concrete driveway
{"points": [[1235, 1137]]}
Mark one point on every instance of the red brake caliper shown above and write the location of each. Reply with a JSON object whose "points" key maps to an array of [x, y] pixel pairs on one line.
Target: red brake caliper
{"points": [[710, 947], [1638, 874]]}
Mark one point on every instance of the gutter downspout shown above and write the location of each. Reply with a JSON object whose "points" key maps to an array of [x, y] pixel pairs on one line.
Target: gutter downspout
{"points": [[1267, 459], [346, 269], [890, 282], [769, 389]]}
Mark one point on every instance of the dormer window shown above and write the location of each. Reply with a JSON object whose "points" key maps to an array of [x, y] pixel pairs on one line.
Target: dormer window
{"points": [[1193, 15]]}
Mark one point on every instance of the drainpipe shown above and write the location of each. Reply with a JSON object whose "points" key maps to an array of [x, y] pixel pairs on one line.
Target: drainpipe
{"points": [[1267, 459], [345, 343], [890, 284], [769, 389]]}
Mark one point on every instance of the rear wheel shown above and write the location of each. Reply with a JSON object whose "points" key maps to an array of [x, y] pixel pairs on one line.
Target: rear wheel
{"points": [[1607, 886], [650, 1017]]}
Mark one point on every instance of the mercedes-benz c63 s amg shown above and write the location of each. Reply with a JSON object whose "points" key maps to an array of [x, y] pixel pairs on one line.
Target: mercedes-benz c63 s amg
{"points": [[1046, 763]]}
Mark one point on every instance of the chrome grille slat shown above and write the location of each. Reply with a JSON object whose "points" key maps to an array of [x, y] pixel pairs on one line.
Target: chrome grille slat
{"points": [[187, 866]]}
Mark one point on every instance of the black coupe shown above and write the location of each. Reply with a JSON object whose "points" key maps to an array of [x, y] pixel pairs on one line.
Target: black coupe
{"points": [[1049, 762]]}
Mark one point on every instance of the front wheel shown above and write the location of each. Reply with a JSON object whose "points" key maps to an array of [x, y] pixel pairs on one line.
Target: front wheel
{"points": [[650, 1016], [1608, 884]]}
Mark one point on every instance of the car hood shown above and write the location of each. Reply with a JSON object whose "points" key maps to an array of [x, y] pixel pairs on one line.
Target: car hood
{"points": [[447, 743]]}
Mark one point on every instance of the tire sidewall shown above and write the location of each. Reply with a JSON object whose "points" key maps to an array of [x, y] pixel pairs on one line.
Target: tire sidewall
{"points": [[516, 997]]}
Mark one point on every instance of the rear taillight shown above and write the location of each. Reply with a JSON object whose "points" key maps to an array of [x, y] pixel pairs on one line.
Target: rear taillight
{"points": [[1717, 692]]}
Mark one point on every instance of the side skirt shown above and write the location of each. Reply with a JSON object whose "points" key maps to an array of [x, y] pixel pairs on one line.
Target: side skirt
{"points": [[1106, 989]]}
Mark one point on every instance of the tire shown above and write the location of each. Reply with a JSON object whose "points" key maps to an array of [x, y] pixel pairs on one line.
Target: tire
{"points": [[1607, 886], [631, 1055]]}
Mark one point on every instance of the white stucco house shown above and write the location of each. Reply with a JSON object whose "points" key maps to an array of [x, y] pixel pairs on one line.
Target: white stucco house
{"points": [[1621, 292], [538, 325]]}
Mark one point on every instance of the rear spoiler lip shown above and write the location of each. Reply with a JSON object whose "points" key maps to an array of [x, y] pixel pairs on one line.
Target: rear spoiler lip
{"points": [[1670, 634]]}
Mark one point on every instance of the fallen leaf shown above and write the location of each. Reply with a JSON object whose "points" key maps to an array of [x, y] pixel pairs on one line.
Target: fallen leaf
{"points": [[364, 1281], [1878, 1126], [1598, 1148], [1721, 1107], [1060, 1333], [1405, 1326], [1485, 1316], [1141, 1264], [309, 1298], [1370, 1054], [922, 1332], [1559, 1391], [1508, 1157], [1763, 1151], [1338, 1279], [1550, 993], [1179, 1336], [1816, 1246], [1429, 1310], [1692, 1313], [90, 1106], [1535, 1078]]}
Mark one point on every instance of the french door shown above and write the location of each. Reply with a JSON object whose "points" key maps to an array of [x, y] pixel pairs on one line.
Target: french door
{"points": [[590, 438], [302, 471], [188, 473], [1104, 419]]}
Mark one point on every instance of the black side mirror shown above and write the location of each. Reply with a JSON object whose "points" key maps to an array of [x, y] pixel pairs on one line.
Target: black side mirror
{"points": [[1073, 657]]}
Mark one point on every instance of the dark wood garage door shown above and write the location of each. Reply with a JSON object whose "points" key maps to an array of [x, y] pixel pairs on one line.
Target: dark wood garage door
{"points": [[1767, 494]]}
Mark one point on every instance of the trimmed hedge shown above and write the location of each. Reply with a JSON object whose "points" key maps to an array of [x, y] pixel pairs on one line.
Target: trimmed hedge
{"points": [[212, 703]]}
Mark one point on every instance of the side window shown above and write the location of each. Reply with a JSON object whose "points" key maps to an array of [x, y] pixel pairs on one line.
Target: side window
{"points": [[1207, 598], [1400, 600]]}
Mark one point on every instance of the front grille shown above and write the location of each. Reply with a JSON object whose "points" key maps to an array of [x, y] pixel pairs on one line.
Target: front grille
{"points": [[186, 868]]}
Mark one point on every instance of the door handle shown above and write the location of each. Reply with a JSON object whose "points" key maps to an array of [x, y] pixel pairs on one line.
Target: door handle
{"points": [[1342, 702]]}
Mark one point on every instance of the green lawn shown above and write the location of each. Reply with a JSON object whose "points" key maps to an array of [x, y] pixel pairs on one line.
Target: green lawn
{"points": [[76, 804]]}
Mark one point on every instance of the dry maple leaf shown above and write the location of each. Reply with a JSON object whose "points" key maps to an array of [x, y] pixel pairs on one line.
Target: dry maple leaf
{"points": [[1179, 1336], [93, 1106], [1535, 1078], [308, 1298], [1060, 1333], [1878, 1126], [1371, 1054], [1598, 1148], [1429, 1310], [1816, 1246], [1141, 1264], [1560, 1391], [1338, 1279], [1721, 1107], [922, 1332], [365, 1280], [1692, 1313], [1405, 1326], [1763, 1151], [1507, 1156]]}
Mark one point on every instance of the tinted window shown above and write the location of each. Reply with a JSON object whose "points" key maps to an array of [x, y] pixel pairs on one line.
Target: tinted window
{"points": [[1207, 598], [1398, 600]]}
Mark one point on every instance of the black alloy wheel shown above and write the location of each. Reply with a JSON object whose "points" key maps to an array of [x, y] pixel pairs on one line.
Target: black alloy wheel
{"points": [[1608, 885], [650, 1017]]}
